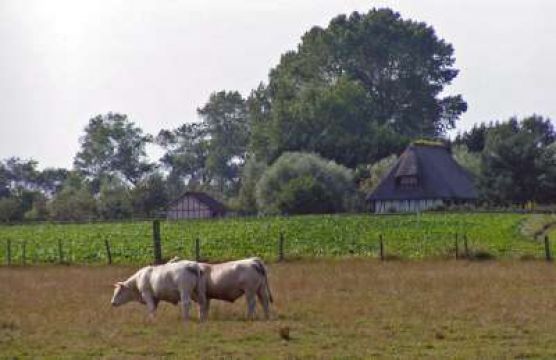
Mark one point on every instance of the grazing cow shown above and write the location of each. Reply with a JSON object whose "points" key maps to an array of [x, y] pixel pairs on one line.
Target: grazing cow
{"points": [[230, 280], [172, 282]]}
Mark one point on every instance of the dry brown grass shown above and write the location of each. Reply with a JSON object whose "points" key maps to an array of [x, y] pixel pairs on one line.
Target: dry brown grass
{"points": [[332, 309]]}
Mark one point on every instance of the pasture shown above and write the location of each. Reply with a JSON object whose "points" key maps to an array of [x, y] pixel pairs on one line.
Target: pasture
{"points": [[429, 235], [334, 308]]}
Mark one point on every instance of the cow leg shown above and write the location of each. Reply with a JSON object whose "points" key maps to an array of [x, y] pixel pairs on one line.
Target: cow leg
{"points": [[185, 303], [204, 310], [251, 304], [263, 299], [151, 304]]}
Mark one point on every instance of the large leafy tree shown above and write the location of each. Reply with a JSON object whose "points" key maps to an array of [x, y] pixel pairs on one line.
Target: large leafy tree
{"points": [[357, 90], [225, 119], [186, 154], [113, 146], [209, 153], [519, 162]]}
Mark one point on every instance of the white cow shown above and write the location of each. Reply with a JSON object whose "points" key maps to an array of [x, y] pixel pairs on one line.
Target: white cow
{"points": [[230, 280], [172, 282]]}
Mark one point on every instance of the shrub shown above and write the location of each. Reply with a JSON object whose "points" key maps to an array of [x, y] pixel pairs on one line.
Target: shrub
{"points": [[302, 183], [9, 209]]}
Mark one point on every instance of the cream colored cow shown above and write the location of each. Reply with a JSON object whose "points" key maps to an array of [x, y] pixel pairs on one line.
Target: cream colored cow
{"points": [[174, 282], [230, 280]]}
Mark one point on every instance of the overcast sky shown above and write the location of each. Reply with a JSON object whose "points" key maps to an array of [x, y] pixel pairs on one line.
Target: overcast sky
{"points": [[64, 61]]}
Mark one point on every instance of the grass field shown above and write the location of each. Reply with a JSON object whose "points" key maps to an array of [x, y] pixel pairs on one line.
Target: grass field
{"points": [[334, 308], [429, 235]]}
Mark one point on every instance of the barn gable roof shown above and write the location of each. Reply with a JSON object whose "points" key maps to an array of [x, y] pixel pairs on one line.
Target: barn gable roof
{"points": [[204, 198], [439, 176]]}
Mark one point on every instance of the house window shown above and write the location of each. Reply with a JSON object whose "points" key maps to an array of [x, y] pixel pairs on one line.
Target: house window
{"points": [[407, 182]]}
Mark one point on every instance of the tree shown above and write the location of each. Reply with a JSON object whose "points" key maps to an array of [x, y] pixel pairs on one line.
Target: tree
{"points": [[114, 201], [376, 172], [357, 91], [74, 201], [9, 209], [113, 146], [250, 175], [518, 162], [39, 210], [474, 139], [186, 154], [470, 161], [209, 154], [150, 196], [16, 173], [225, 118], [301, 183], [50, 180]]}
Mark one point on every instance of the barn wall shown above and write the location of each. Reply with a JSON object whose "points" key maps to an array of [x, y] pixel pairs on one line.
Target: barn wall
{"points": [[388, 206], [188, 207]]}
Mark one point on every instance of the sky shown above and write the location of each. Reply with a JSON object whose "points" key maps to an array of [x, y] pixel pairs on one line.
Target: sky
{"points": [[65, 61]]}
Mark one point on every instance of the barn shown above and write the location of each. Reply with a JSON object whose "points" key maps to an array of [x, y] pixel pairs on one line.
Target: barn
{"points": [[195, 205], [425, 176]]}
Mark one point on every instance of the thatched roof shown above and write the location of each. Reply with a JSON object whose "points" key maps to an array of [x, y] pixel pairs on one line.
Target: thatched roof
{"points": [[438, 175], [204, 198]]}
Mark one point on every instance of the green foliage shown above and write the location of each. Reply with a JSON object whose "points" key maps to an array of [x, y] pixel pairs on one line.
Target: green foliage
{"points": [[208, 155], [39, 210], [475, 138], [468, 160], [519, 165], [74, 201], [225, 118], [186, 153], [356, 91], [250, 175], [114, 200], [9, 209], [113, 146], [299, 183], [376, 172], [150, 196]]}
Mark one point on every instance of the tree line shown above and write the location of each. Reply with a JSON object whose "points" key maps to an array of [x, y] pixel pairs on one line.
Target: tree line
{"points": [[330, 120]]}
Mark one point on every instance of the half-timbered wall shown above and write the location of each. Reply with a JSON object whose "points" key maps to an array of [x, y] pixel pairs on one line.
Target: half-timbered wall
{"points": [[388, 206], [189, 207]]}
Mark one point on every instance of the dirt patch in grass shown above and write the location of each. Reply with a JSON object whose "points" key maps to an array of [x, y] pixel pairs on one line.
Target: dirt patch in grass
{"points": [[331, 309]]}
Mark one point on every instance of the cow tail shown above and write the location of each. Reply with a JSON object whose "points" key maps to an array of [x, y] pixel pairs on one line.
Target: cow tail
{"points": [[262, 270]]}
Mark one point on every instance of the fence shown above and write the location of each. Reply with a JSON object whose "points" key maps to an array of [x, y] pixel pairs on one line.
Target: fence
{"points": [[281, 238]]}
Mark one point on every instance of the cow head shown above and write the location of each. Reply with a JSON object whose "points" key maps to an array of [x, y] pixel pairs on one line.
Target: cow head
{"points": [[122, 294]]}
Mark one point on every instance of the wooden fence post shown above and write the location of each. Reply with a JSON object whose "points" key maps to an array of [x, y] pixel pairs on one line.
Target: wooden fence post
{"points": [[108, 252], [281, 247], [465, 247], [547, 251], [9, 251], [157, 248], [197, 249], [457, 247], [381, 247], [23, 253], [60, 252]]}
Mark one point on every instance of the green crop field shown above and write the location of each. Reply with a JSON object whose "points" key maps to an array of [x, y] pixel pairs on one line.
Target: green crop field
{"points": [[431, 235]]}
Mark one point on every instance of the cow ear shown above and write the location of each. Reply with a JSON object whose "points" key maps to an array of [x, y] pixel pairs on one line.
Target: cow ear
{"points": [[119, 284]]}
